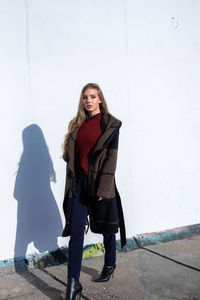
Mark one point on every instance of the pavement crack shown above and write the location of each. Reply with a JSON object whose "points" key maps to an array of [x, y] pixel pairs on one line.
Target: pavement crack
{"points": [[60, 281], [166, 257]]}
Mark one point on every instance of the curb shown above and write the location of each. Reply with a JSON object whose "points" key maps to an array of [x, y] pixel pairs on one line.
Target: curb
{"points": [[60, 255], [167, 235]]}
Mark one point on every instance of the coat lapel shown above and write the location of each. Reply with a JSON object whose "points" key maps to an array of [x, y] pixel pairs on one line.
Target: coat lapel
{"points": [[108, 125]]}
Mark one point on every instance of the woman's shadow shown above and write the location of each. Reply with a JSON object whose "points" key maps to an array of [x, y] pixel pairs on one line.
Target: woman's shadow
{"points": [[38, 217]]}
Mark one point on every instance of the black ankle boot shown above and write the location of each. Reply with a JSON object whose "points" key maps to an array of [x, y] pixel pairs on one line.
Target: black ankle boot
{"points": [[73, 289], [106, 273]]}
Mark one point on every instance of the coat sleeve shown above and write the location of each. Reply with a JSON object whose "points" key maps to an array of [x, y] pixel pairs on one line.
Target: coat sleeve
{"points": [[106, 184], [66, 153]]}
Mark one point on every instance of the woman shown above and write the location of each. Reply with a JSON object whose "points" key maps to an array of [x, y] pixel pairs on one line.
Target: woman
{"points": [[90, 150]]}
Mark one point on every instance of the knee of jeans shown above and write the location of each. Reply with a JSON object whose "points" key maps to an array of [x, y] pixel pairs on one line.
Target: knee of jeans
{"points": [[77, 232], [77, 237]]}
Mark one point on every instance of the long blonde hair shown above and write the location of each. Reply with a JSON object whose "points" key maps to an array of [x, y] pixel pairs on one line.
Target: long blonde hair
{"points": [[81, 113]]}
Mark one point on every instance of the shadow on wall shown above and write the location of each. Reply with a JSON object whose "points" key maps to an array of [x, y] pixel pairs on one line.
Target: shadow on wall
{"points": [[38, 217]]}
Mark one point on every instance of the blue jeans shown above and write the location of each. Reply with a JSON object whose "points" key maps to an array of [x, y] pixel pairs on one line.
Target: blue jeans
{"points": [[79, 215]]}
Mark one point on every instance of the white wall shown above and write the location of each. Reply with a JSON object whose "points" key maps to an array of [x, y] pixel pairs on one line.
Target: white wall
{"points": [[145, 56]]}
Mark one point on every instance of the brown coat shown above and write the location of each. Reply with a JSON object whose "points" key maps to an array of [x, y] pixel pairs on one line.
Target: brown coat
{"points": [[106, 215]]}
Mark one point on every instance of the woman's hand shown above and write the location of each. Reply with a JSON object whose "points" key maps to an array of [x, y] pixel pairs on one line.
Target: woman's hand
{"points": [[100, 198]]}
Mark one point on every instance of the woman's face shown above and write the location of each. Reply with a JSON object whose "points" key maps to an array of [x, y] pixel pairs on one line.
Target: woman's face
{"points": [[91, 101]]}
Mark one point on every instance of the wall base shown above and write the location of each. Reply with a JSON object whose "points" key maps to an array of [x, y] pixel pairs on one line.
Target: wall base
{"points": [[59, 256]]}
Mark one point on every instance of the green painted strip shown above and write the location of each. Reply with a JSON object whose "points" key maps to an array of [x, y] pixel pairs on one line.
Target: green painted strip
{"points": [[22, 261], [93, 250], [59, 256], [168, 235]]}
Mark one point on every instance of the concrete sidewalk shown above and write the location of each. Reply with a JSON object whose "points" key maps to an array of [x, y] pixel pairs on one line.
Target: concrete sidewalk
{"points": [[160, 272]]}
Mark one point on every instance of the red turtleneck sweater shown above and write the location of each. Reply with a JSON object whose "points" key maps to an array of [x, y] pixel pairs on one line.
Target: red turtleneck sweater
{"points": [[86, 138]]}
